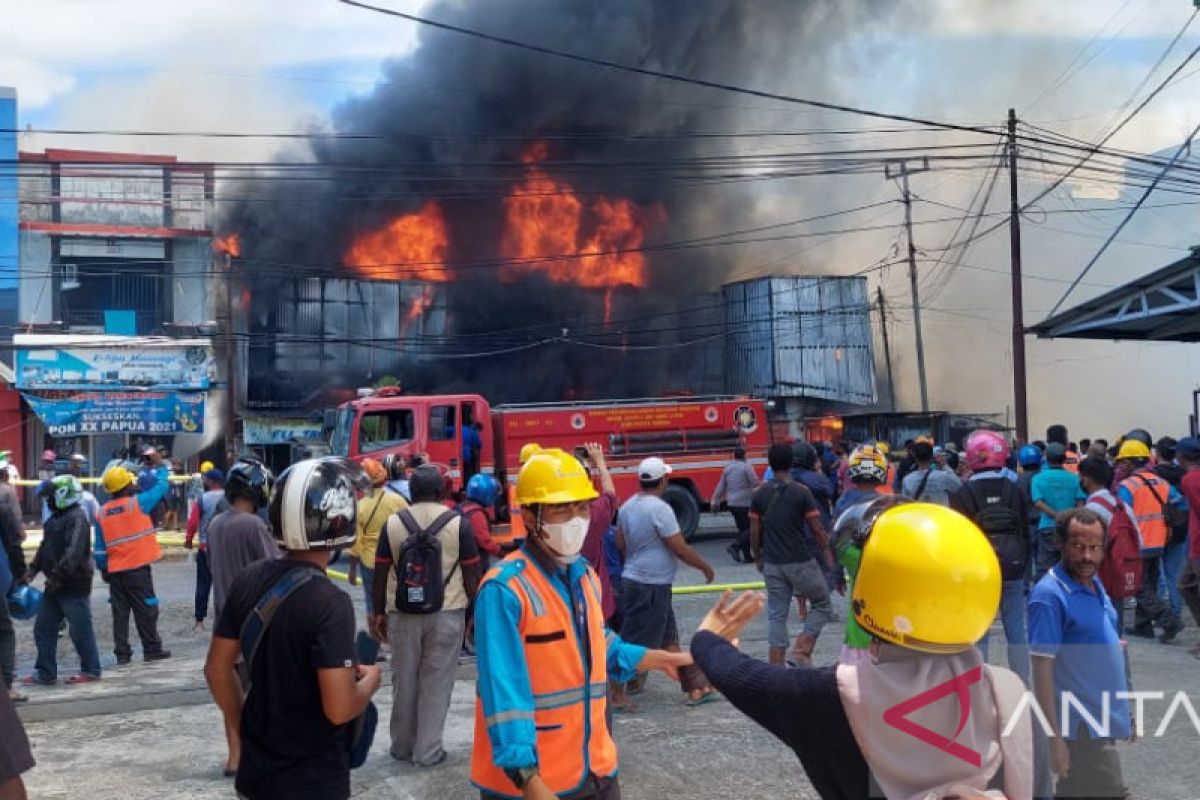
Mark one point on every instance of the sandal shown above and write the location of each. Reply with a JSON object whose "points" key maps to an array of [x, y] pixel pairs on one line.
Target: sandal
{"points": [[628, 707], [82, 677], [17, 697], [711, 696]]}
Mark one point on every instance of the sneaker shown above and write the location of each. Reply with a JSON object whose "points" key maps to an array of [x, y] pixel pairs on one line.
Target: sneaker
{"points": [[1141, 631], [159, 655], [735, 553], [82, 677], [34, 680], [1170, 631]]}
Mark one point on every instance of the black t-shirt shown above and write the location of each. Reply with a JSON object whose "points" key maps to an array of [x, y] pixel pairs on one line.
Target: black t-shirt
{"points": [[289, 747], [783, 508]]}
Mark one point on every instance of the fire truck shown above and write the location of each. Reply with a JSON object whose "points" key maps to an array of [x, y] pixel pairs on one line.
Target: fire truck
{"points": [[695, 435]]}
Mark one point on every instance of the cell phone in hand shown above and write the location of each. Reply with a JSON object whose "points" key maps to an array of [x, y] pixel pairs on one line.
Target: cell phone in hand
{"points": [[367, 648]]}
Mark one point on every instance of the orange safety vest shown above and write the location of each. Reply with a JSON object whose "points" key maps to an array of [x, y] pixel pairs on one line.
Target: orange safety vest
{"points": [[1071, 463], [516, 523], [129, 535], [569, 705], [1147, 506]]}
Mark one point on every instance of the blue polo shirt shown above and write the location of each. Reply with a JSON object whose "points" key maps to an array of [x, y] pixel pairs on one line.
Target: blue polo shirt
{"points": [[1078, 629]]}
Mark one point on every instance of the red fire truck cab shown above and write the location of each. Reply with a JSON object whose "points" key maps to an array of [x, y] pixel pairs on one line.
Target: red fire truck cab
{"points": [[695, 435]]}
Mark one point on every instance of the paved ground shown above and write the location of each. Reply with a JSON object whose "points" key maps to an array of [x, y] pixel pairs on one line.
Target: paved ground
{"points": [[147, 726]]}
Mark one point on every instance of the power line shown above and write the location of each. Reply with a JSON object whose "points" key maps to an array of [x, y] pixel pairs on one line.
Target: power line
{"points": [[1121, 226], [661, 74]]}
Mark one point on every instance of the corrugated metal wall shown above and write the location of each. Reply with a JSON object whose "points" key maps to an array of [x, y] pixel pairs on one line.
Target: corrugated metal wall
{"points": [[800, 337]]}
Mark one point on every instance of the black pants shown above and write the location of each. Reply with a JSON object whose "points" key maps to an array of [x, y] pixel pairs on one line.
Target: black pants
{"points": [[133, 590], [203, 584], [1095, 770], [741, 518], [595, 789], [1151, 609], [8, 645]]}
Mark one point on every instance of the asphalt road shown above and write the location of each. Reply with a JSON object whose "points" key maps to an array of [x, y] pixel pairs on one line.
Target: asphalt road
{"points": [[149, 727]]}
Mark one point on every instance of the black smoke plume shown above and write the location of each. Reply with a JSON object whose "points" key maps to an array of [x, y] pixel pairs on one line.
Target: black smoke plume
{"points": [[453, 118]]}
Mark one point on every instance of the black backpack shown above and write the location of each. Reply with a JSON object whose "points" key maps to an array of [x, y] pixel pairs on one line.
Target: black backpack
{"points": [[997, 515], [420, 588]]}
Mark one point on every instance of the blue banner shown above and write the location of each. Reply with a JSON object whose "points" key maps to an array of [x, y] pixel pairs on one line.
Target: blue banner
{"points": [[89, 413], [125, 366]]}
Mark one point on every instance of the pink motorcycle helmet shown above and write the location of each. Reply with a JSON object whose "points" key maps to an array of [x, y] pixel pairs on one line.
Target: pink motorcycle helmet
{"points": [[986, 450]]}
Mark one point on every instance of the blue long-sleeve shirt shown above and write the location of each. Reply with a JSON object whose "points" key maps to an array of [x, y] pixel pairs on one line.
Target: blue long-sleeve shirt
{"points": [[503, 683], [146, 501]]}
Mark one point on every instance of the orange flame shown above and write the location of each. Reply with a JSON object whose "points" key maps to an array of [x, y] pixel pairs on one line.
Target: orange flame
{"points": [[419, 305], [230, 245], [546, 219], [410, 247]]}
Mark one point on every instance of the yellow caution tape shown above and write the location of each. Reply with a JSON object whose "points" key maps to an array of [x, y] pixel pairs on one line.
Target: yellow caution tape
{"points": [[38, 482], [719, 587]]}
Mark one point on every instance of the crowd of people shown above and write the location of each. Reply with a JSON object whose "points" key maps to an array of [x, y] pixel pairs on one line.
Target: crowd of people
{"points": [[929, 544]]}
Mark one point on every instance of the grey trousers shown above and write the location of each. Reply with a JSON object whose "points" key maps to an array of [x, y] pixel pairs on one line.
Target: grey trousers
{"points": [[425, 650], [785, 581]]}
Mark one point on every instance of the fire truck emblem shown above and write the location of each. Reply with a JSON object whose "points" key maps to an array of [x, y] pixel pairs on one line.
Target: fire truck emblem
{"points": [[745, 420], [577, 422], [710, 414]]}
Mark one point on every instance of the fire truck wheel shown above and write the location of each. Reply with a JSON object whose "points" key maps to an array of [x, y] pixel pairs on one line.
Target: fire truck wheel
{"points": [[686, 508]]}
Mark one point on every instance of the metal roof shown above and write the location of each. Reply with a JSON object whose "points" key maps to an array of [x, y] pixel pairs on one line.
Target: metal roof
{"points": [[1161, 306]]}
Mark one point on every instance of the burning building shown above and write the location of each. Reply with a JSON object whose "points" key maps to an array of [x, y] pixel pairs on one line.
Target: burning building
{"points": [[526, 229]]}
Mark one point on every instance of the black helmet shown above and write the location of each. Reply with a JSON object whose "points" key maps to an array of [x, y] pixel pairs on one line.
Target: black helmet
{"points": [[804, 455], [314, 505], [249, 478], [853, 526], [393, 464], [1140, 435]]}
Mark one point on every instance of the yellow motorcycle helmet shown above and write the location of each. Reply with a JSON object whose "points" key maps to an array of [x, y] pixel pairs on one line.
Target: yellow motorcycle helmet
{"points": [[929, 579]]}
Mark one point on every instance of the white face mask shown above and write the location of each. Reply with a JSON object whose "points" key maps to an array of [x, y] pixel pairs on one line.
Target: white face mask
{"points": [[565, 539]]}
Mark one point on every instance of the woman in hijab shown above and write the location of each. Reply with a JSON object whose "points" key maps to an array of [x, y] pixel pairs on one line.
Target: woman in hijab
{"points": [[922, 716]]}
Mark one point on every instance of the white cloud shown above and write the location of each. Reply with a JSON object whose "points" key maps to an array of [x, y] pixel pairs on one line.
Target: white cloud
{"points": [[46, 46]]}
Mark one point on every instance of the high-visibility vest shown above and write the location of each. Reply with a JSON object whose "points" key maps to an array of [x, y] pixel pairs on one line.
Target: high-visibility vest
{"points": [[516, 523], [569, 702], [1071, 463], [1148, 507], [129, 535]]}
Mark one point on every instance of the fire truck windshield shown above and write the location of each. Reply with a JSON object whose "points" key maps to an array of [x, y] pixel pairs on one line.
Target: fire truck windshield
{"points": [[339, 443]]}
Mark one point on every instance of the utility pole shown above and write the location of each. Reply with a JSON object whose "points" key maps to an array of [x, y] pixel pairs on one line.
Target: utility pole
{"points": [[1018, 302], [230, 358], [887, 348], [903, 170]]}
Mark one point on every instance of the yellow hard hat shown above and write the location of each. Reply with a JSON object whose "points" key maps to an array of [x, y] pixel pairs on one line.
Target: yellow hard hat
{"points": [[1132, 448], [883, 448], [206, 466], [527, 451], [117, 478], [929, 580], [553, 476]]}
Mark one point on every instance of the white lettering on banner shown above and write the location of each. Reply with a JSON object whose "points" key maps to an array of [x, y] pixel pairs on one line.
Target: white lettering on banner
{"points": [[1069, 701]]}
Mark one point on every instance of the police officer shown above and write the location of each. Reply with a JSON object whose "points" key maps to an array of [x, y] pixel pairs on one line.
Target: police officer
{"points": [[544, 654]]}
